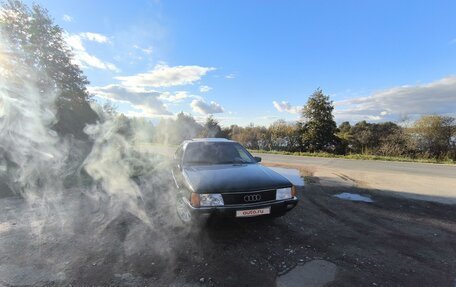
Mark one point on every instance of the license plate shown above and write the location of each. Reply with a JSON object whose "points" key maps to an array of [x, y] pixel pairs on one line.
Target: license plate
{"points": [[253, 212]]}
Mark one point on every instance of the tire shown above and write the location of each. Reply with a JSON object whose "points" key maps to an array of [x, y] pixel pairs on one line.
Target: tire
{"points": [[183, 212]]}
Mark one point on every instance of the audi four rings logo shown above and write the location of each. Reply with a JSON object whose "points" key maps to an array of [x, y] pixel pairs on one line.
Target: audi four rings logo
{"points": [[252, 197]]}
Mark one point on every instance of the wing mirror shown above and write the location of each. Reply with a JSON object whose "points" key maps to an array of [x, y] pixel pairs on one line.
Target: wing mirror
{"points": [[177, 163], [257, 158]]}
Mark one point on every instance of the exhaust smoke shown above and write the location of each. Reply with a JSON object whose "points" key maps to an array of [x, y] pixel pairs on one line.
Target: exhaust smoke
{"points": [[78, 205]]}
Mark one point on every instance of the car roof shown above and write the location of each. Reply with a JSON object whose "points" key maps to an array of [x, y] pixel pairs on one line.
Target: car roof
{"points": [[208, 140]]}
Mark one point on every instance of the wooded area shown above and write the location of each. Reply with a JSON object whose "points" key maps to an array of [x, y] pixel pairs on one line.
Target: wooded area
{"points": [[429, 137]]}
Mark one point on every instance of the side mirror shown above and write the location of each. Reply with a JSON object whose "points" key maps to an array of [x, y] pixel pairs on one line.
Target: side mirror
{"points": [[177, 163], [257, 158]]}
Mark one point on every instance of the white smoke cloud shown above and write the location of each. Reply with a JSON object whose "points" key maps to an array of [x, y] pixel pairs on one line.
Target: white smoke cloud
{"points": [[109, 197], [32, 154]]}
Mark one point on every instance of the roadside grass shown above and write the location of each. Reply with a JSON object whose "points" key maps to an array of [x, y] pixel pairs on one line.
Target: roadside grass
{"points": [[330, 155], [359, 156]]}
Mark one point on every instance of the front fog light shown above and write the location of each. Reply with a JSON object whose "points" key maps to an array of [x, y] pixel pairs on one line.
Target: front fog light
{"points": [[211, 199], [283, 193]]}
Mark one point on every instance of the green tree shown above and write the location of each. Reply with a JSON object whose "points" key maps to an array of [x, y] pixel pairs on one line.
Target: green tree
{"points": [[35, 41], [435, 135], [284, 136], [319, 127], [253, 137], [345, 136], [211, 128], [362, 137]]}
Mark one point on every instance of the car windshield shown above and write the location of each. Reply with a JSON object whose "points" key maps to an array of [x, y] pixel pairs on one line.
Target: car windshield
{"points": [[216, 153]]}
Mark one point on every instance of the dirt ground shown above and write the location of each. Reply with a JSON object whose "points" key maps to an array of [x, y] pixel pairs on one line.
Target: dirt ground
{"points": [[389, 242]]}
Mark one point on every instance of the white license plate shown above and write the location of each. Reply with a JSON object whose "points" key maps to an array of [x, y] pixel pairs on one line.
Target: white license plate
{"points": [[253, 212]]}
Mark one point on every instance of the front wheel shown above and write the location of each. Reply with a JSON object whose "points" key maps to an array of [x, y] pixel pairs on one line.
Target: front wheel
{"points": [[183, 212]]}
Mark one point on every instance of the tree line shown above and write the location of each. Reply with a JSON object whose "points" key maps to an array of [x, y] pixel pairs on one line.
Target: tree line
{"points": [[429, 137]]}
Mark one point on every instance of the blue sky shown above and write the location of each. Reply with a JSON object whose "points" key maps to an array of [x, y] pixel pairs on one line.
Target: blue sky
{"points": [[258, 61]]}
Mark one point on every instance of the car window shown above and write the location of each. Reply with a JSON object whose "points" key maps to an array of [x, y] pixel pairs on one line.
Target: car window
{"points": [[243, 153], [216, 153]]}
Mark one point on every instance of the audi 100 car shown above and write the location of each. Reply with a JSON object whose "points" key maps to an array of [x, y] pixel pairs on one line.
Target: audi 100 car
{"points": [[220, 177]]}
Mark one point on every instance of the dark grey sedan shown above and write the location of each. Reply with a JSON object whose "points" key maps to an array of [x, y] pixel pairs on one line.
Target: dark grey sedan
{"points": [[219, 176]]}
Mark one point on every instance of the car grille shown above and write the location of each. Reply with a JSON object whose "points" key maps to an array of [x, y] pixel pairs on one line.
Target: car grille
{"points": [[249, 197]]}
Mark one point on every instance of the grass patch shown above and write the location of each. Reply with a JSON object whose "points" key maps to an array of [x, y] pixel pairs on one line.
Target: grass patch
{"points": [[359, 156]]}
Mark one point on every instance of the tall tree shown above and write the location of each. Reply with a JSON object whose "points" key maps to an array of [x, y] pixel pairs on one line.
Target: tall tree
{"points": [[38, 43], [319, 127], [211, 129]]}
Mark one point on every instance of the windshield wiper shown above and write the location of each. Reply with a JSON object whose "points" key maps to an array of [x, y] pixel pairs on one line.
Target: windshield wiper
{"points": [[198, 162], [236, 161]]}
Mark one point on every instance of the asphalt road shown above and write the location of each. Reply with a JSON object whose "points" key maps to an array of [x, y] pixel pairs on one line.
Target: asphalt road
{"points": [[435, 170], [422, 181]]}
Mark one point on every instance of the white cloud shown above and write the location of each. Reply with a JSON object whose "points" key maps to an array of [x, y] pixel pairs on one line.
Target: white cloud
{"points": [[74, 41], [81, 57], [174, 98], [204, 89], [147, 50], [147, 102], [67, 18], [201, 107], [94, 37], [230, 76], [286, 107], [438, 97], [165, 76]]}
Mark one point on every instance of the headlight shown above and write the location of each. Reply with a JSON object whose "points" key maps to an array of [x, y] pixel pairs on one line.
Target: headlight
{"points": [[211, 199], [283, 193]]}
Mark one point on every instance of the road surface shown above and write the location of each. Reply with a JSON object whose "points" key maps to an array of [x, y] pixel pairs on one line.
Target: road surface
{"points": [[427, 169], [434, 182]]}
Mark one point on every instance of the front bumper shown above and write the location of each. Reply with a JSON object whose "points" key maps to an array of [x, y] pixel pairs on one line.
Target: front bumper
{"points": [[278, 207]]}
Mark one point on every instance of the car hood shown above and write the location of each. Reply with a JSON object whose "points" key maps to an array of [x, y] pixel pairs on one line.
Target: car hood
{"points": [[232, 178]]}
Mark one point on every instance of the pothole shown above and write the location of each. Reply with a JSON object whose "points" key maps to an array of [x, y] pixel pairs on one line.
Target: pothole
{"points": [[315, 273], [353, 197]]}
